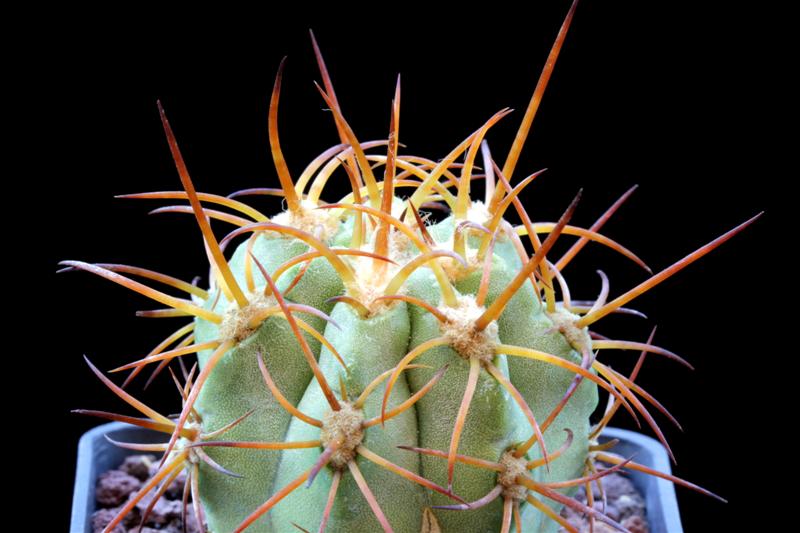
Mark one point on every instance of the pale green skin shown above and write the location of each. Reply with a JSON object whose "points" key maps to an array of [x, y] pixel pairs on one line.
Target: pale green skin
{"points": [[369, 347], [236, 386], [494, 421], [372, 346]]}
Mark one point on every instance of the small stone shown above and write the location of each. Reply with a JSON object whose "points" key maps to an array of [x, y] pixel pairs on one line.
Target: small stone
{"points": [[636, 524], [615, 486], [162, 512], [191, 523], [138, 465], [630, 505], [175, 490], [600, 527], [114, 487], [102, 517], [624, 505], [610, 510]]}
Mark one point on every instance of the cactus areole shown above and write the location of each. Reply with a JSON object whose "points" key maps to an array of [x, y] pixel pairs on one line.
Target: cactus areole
{"points": [[362, 366]]}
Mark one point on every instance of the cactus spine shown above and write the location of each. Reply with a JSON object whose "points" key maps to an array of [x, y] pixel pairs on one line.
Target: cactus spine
{"points": [[361, 368]]}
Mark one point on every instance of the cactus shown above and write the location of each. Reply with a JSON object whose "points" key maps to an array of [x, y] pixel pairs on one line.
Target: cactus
{"points": [[361, 367]]}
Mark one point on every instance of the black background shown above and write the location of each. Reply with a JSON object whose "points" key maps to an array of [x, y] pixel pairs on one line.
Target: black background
{"points": [[677, 98]]}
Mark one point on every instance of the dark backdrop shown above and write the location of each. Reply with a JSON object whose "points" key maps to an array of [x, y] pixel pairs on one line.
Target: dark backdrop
{"points": [[675, 98]]}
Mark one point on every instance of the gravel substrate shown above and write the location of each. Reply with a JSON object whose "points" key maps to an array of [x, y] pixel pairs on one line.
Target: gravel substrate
{"points": [[116, 487], [624, 504]]}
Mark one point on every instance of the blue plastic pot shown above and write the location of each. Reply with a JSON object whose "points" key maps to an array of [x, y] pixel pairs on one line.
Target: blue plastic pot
{"points": [[96, 455]]}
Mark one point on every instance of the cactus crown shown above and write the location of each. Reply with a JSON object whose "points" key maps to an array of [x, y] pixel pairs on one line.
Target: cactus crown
{"points": [[361, 367]]}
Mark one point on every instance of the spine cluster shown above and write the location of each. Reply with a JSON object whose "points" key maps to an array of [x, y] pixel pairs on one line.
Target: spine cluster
{"points": [[362, 367]]}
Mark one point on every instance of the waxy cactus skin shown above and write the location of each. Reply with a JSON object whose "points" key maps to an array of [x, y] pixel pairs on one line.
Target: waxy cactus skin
{"points": [[364, 367]]}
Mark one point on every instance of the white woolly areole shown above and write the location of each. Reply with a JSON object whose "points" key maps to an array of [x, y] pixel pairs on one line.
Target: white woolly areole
{"points": [[236, 320], [401, 250], [322, 223], [400, 246], [455, 270], [184, 444], [578, 338], [344, 427], [513, 468], [460, 332], [371, 281], [369, 294], [477, 212]]}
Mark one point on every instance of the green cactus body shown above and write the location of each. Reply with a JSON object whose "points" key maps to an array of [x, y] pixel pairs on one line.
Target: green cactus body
{"points": [[442, 232], [372, 345], [543, 386], [423, 403], [437, 414], [236, 386], [369, 347]]}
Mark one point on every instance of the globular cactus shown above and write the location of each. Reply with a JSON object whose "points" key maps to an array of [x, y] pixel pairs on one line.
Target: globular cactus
{"points": [[362, 368]]}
